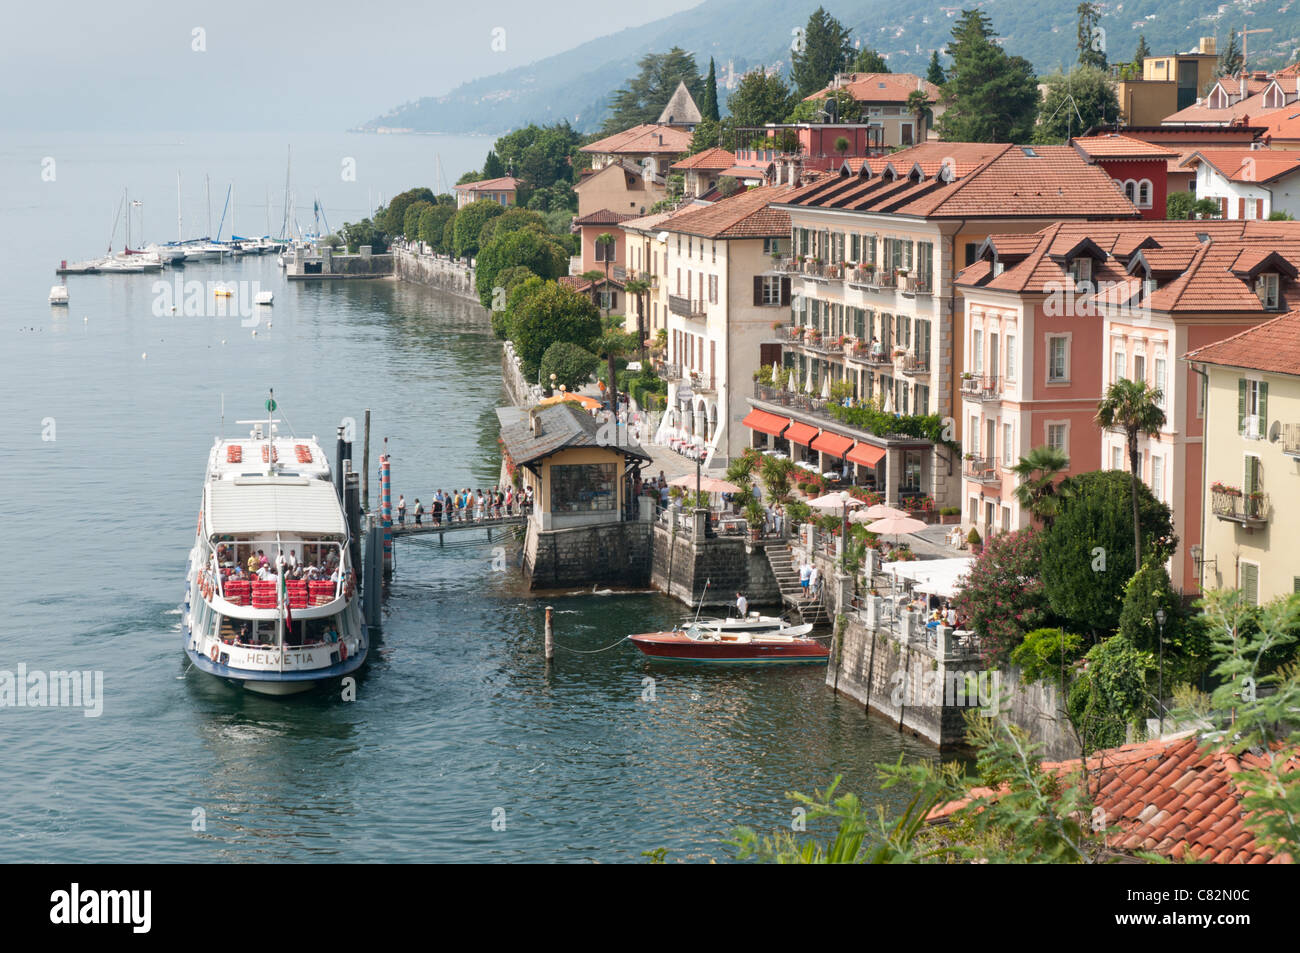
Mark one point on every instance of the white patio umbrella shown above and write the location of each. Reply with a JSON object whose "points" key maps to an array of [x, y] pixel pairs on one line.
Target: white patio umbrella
{"points": [[888, 405], [793, 383], [878, 511], [807, 384], [826, 388], [835, 501], [896, 526]]}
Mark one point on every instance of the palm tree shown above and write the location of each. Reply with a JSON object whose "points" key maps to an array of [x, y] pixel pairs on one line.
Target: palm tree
{"points": [[612, 345], [608, 240], [639, 287], [1036, 489], [1133, 407], [918, 104]]}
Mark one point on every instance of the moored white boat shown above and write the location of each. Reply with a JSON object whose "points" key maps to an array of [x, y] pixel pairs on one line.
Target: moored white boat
{"points": [[281, 630], [59, 294], [753, 639]]}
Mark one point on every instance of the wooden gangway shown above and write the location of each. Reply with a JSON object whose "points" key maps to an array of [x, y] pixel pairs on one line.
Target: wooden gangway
{"points": [[427, 528]]}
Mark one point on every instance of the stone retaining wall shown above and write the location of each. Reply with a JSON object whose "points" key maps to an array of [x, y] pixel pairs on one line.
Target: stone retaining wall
{"points": [[616, 554], [730, 564], [455, 277]]}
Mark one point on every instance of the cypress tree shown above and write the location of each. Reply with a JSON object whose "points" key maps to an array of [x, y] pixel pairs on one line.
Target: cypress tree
{"points": [[934, 74], [710, 108]]}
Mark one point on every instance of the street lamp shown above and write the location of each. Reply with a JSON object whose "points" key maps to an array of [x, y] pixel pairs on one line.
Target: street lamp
{"points": [[1160, 678], [552, 383]]}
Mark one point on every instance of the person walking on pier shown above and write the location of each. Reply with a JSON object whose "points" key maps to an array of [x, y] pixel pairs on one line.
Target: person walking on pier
{"points": [[419, 511], [815, 582], [401, 510], [805, 578], [435, 509]]}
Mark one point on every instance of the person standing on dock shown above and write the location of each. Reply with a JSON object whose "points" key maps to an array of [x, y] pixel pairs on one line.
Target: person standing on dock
{"points": [[805, 578], [815, 582], [419, 512], [435, 509], [401, 510], [742, 605]]}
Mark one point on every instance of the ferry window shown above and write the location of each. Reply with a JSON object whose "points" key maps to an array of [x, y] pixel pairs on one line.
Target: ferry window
{"points": [[583, 488]]}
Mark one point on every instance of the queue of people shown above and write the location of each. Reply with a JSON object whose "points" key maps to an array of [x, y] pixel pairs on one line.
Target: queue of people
{"points": [[467, 506]]}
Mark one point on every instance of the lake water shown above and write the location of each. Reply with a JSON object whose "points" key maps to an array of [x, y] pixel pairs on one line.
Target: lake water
{"points": [[457, 720]]}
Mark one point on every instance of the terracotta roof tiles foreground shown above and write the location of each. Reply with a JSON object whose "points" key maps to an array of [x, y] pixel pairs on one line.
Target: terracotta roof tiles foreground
{"points": [[1273, 347], [1176, 798]]}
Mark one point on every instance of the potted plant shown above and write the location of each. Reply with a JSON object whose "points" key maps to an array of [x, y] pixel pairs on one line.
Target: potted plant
{"points": [[974, 541]]}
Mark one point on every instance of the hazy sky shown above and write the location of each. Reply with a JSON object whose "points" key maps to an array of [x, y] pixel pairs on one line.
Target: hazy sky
{"points": [[322, 65]]}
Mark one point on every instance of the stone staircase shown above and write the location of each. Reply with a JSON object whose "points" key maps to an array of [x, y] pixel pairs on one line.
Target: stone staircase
{"points": [[781, 560]]}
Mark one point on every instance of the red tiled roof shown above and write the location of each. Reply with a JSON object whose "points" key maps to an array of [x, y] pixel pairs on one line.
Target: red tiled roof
{"points": [[1284, 124], [1251, 107], [505, 183], [973, 180], [1112, 145], [1273, 346], [747, 214], [1177, 798], [645, 139], [882, 88], [603, 216], [745, 172], [1248, 165], [1192, 275], [714, 158]]}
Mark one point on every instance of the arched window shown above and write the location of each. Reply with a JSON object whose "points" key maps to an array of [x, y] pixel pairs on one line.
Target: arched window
{"points": [[1130, 190], [1119, 186], [1144, 194]]}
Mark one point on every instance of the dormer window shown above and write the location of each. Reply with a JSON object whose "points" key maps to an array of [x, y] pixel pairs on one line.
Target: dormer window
{"points": [[998, 267], [1081, 270], [1266, 288]]}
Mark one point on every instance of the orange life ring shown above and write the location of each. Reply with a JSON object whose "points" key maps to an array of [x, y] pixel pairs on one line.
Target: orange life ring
{"points": [[215, 653], [343, 651]]}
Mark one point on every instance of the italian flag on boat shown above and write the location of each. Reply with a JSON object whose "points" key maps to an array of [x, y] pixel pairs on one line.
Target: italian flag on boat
{"points": [[283, 588]]}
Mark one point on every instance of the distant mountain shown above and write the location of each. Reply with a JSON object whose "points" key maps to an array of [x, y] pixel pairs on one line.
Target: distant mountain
{"points": [[742, 34]]}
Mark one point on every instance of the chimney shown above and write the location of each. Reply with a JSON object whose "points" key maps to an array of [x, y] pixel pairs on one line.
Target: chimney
{"points": [[534, 425]]}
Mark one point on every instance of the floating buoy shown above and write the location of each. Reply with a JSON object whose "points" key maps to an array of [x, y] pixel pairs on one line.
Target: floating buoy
{"points": [[223, 342], [255, 332], [144, 355]]}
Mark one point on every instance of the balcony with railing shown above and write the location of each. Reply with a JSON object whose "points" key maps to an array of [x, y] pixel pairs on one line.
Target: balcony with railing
{"points": [[1230, 504], [1291, 440], [980, 387], [670, 372], [921, 283], [684, 307], [982, 470], [914, 365]]}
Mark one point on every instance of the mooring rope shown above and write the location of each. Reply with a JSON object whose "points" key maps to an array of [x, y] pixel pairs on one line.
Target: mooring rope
{"points": [[592, 651]]}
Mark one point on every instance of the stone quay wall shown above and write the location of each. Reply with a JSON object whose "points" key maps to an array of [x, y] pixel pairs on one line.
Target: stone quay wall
{"points": [[616, 554], [685, 560], [446, 274]]}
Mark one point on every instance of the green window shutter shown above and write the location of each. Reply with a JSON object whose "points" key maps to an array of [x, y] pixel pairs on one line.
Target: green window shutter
{"points": [[1263, 409], [1241, 405], [1250, 584], [1295, 584]]}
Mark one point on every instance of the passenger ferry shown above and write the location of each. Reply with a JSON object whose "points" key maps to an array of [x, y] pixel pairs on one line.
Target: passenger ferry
{"points": [[271, 599]]}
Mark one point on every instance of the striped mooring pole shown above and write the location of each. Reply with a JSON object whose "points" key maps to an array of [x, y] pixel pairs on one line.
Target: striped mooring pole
{"points": [[386, 510]]}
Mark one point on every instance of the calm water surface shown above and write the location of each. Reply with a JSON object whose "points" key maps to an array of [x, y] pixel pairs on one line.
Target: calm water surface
{"points": [[456, 718]]}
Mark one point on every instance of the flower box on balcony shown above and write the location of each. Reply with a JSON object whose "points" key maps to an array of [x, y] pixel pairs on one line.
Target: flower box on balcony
{"points": [[1224, 490]]}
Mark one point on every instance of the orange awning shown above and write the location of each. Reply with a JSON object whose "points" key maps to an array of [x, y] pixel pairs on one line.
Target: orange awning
{"points": [[800, 433], [764, 422], [865, 454], [832, 443]]}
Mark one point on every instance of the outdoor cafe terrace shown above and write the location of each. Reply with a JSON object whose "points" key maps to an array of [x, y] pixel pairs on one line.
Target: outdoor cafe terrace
{"points": [[803, 427]]}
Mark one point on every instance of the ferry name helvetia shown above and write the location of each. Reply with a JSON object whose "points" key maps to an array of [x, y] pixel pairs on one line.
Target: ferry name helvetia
{"points": [[271, 596]]}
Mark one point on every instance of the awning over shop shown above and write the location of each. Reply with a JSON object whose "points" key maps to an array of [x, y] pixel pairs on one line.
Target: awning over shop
{"points": [[764, 422], [800, 433], [832, 443], [865, 454]]}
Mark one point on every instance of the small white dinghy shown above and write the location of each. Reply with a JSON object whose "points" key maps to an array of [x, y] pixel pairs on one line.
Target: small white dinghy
{"points": [[59, 294], [263, 297]]}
